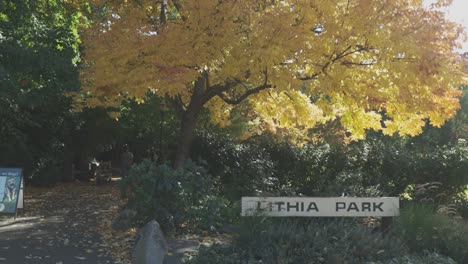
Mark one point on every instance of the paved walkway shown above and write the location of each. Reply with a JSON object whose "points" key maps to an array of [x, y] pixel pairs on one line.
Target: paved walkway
{"points": [[71, 224], [56, 228]]}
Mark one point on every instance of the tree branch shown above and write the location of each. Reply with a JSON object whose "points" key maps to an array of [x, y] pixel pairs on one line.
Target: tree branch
{"points": [[358, 63], [245, 95], [178, 6], [265, 73], [308, 78], [162, 15], [217, 89], [347, 51], [176, 102]]}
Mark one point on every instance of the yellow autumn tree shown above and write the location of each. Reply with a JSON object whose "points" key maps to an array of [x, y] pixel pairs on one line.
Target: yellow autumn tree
{"points": [[381, 65]]}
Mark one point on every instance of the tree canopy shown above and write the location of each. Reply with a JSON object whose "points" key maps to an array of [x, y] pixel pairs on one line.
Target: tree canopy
{"points": [[38, 63], [287, 65]]}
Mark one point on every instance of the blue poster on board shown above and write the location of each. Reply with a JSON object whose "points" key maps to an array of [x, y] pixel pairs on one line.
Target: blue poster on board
{"points": [[10, 184]]}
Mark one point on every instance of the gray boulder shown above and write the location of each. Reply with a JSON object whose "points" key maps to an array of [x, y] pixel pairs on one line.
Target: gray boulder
{"points": [[150, 245]]}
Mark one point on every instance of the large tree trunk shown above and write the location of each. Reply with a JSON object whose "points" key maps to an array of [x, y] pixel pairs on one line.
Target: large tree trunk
{"points": [[202, 93], [189, 120], [67, 175], [187, 129]]}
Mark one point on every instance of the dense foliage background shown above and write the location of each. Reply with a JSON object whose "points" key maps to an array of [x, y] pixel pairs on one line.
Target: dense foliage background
{"points": [[40, 132]]}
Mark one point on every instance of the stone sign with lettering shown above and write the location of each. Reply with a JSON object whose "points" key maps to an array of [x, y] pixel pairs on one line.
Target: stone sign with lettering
{"points": [[321, 206]]}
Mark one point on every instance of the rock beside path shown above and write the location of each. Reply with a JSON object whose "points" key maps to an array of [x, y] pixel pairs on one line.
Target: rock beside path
{"points": [[150, 245]]}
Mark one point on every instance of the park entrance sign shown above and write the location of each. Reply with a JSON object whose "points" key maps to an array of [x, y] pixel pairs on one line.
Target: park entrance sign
{"points": [[320, 206], [10, 187]]}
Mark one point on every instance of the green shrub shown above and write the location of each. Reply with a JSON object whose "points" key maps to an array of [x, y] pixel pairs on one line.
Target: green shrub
{"points": [[462, 207], [427, 258], [266, 240], [238, 169], [217, 254], [174, 198], [377, 166], [446, 165], [46, 174], [374, 167], [421, 228], [311, 170]]}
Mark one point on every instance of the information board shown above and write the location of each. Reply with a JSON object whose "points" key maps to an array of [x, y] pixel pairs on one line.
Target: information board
{"points": [[321, 206], [10, 185]]}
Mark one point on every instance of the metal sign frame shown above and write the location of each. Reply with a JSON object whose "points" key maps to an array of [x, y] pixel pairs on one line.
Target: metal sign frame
{"points": [[11, 190]]}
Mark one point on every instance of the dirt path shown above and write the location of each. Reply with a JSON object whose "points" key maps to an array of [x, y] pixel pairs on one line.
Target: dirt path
{"points": [[72, 223], [67, 224]]}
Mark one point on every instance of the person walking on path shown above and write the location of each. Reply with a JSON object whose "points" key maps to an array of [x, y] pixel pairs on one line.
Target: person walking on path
{"points": [[126, 161]]}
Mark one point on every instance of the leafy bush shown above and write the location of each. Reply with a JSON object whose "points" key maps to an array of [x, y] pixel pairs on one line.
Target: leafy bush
{"points": [[462, 207], [378, 166], [216, 254], [433, 238], [375, 167], [230, 255], [239, 169], [47, 171], [446, 165], [311, 170], [174, 198], [266, 240], [423, 229], [427, 258], [46, 175]]}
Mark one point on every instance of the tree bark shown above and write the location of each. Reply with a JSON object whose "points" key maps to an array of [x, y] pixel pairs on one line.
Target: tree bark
{"points": [[202, 93], [67, 175], [189, 121], [187, 129]]}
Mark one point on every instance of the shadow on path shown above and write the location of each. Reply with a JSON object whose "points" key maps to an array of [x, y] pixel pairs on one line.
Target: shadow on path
{"points": [[58, 227]]}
